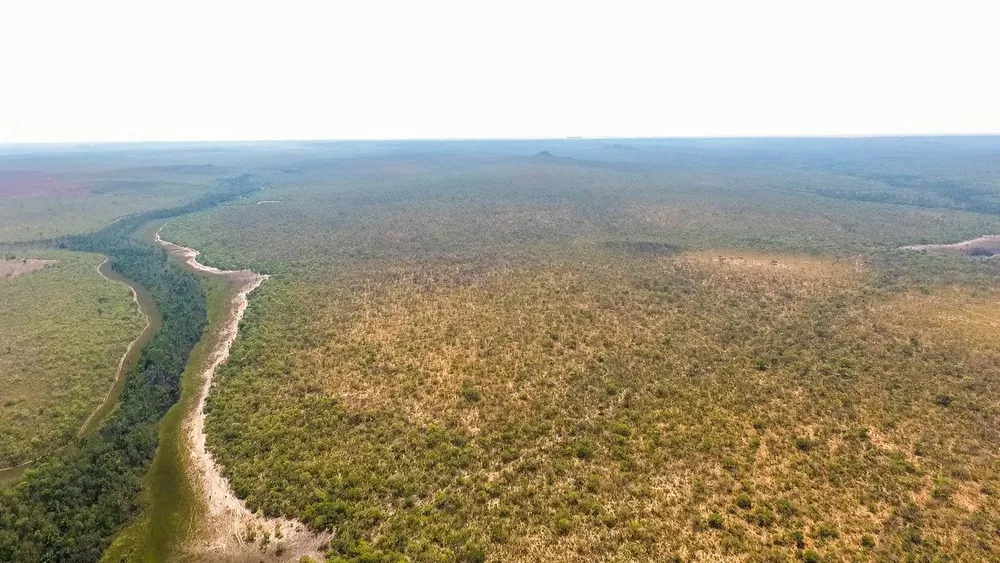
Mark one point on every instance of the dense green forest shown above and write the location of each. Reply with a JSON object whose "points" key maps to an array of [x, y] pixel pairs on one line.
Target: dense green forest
{"points": [[68, 506]]}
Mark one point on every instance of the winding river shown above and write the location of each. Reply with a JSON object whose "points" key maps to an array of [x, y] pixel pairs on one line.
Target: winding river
{"points": [[221, 523], [226, 522]]}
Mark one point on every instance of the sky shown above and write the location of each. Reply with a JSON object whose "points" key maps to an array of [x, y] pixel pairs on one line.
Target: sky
{"points": [[110, 70]]}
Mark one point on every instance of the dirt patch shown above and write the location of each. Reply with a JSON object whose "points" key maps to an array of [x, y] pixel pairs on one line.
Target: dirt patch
{"points": [[21, 266], [983, 247], [231, 531], [790, 264]]}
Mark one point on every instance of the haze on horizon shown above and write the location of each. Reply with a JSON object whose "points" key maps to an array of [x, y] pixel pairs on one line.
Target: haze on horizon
{"points": [[113, 70]]}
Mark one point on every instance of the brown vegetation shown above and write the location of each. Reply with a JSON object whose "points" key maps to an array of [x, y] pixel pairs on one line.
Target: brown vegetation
{"points": [[554, 361], [13, 267]]}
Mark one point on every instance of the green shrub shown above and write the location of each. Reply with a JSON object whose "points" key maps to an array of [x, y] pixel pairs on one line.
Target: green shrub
{"points": [[743, 501], [563, 523], [799, 538], [471, 554], [826, 532], [786, 509], [761, 516], [715, 521], [584, 449], [471, 393]]}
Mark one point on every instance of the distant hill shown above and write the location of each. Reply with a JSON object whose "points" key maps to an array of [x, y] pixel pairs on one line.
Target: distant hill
{"points": [[544, 154]]}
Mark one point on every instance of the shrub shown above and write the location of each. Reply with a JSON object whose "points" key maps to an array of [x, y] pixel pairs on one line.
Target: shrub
{"points": [[826, 532], [786, 509], [715, 521], [731, 465], [943, 489], [584, 449], [761, 516], [471, 554], [470, 393], [563, 523], [743, 501]]}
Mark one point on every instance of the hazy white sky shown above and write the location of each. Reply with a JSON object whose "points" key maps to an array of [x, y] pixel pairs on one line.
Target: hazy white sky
{"points": [[212, 70]]}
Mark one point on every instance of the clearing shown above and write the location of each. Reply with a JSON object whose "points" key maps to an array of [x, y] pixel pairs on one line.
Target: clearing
{"points": [[11, 268]]}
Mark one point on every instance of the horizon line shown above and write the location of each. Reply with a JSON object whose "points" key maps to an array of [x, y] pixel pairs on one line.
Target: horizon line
{"points": [[846, 136]]}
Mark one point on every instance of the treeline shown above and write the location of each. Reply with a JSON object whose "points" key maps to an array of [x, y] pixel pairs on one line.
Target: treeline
{"points": [[69, 506], [907, 189]]}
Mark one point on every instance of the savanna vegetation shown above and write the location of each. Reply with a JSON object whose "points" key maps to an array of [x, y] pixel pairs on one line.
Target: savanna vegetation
{"points": [[69, 506], [647, 350], [64, 329], [638, 350]]}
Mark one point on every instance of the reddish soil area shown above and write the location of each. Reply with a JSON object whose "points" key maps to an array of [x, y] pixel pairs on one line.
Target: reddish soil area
{"points": [[31, 183]]}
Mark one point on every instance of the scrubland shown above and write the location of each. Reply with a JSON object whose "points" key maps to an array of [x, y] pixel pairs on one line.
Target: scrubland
{"points": [[712, 357]]}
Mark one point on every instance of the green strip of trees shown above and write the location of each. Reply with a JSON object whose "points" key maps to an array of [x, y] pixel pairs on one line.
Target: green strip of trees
{"points": [[69, 506]]}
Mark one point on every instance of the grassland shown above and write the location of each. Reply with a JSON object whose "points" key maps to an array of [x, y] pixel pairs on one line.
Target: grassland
{"points": [[64, 329], [697, 352]]}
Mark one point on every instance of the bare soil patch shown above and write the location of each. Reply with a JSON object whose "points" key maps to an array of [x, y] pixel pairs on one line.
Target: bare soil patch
{"points": [[802, 266], [984, 247], [21, 266], [644, 248]]}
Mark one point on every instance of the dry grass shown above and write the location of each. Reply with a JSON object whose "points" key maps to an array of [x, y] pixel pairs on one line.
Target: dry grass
{"points": [[13, 267], [604, 409]]}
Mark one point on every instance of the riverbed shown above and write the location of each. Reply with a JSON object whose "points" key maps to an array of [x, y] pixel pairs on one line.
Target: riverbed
{"points": [[190, 511]]}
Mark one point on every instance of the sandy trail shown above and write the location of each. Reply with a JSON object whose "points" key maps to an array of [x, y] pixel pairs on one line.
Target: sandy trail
{"points": [[231, 531], [120, 366]]}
